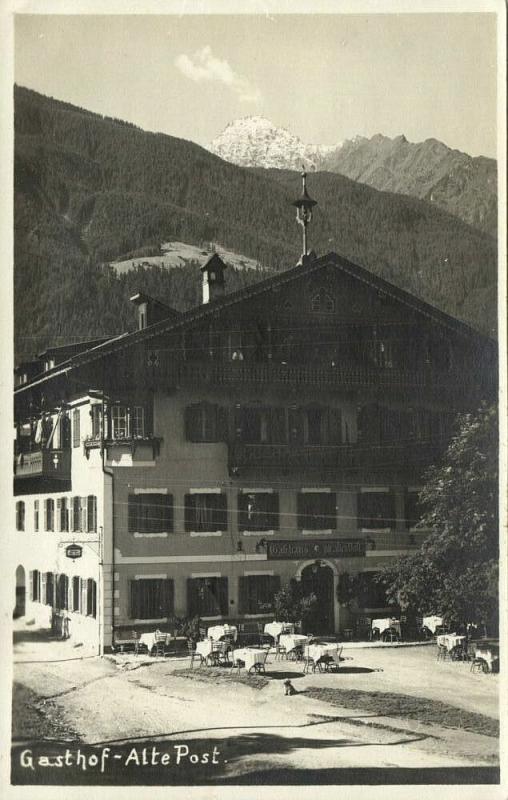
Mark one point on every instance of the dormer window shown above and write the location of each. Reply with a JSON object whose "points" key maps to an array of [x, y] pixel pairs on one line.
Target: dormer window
{"points": [[322, 303]]}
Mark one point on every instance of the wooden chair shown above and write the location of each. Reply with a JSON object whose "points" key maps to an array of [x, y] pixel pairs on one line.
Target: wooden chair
{"points": [[280, 652], [308, 663], [238, 664], [159, 647], [202, 633], [442, 653], [191, 649]]}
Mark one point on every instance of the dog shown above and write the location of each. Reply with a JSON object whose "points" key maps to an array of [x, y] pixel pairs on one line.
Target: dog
{"points": [[289, 689]]}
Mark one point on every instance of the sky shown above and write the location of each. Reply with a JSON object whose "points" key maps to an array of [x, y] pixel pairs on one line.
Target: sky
{"points": [[323, 77]]}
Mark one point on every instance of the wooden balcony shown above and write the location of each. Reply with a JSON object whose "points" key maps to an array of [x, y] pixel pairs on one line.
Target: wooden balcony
{"points": [[44, 463], [365, 377], [331, 457]]}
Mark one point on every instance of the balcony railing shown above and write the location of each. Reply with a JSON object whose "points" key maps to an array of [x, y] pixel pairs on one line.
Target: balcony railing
{"points": [[302, 457], [230, 373], [131, 442], [44, 463]]}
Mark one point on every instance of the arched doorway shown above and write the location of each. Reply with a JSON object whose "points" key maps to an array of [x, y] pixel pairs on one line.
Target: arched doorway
{"points": [[317, 579], [19, 608]]}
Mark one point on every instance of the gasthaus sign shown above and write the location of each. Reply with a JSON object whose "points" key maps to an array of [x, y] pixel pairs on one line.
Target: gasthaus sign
{"points": [[319, 548]]}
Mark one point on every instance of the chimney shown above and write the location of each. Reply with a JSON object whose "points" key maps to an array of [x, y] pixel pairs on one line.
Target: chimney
{"points": [[151, 311], [213, 278]]}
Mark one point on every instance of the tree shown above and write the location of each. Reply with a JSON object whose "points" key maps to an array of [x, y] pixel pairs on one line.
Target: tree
{"points": [[290, 605], [455, 573]]}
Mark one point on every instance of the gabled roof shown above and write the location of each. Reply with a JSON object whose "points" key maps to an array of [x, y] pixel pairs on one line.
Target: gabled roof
{"points": [[265, 286]]}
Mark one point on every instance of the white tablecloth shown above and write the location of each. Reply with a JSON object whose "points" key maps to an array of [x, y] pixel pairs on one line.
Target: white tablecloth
{"points": [[276, 628], [292, 640], [149, 639], [317, 651], [206, 646], [432, 623], [384, 624], [250, 656], [449, 640], [218, 631]]}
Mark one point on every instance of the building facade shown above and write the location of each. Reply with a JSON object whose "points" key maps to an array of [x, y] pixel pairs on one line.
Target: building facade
{"points": [[204, 461]]}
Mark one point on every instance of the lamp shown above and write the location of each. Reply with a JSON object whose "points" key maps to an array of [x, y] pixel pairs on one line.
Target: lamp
{"points": [[316, 565], [239, 546], [260, 545]]}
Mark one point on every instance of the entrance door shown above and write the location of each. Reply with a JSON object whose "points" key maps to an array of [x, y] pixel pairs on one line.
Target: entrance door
{"points": [[318, 580]]}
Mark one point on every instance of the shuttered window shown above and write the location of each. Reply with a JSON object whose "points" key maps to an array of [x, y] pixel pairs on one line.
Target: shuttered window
{"points": [[205, 422], [49, 506], [35, 585], [262, 425], [36, 515], [76, 593], [76, 434], [411, 509], [207, 597], [20, 516], [91, 513], [49, 588], [206, 512], [257, 593], [150, 513], [76, 514], [258, 511], [91, 598], [317, 511], [62, 513], [151, 598], [376, 510], [62, 595]]}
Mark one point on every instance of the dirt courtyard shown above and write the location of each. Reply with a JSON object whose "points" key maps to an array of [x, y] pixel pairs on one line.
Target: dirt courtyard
{"points": [[211, 729]]}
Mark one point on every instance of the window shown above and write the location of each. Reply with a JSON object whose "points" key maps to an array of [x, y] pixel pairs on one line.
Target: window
{"points": [[35, 585], [96, 415], [257, 592], [205, 422], [36, 515], [50, 514], [62, 594], [151, 598], [91, 598], [258, 511], [206, 512], [207, 597], [322, 302], [50, 582], [137, 422], [20, 515], [321, 425], [411, 509], [150, 513], [376, 510], [119, 422], [262, 425], [91, 513], [317, 511], [76, 435], [76, 593], [76, 514], [62, 513]]}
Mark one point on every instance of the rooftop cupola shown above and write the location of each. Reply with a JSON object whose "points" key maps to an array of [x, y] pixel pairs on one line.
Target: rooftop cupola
{"points": [[213, 278], [304, 206]]}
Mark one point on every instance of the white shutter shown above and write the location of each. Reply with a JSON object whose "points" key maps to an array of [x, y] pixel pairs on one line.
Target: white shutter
{"points": [[83, 514]]}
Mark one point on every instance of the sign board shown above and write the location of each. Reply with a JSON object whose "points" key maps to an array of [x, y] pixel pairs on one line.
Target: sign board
{"points": [[279, 549], [73, 551]]}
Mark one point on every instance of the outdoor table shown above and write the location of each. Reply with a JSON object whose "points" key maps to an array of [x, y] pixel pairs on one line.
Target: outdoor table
{"points": [[449, 640], [148, 639], [319, 651], [292, 640], [385, 623], [489, 654], [210, 650], [251, 656], [432, 623], [276, 628], [218, 631]]}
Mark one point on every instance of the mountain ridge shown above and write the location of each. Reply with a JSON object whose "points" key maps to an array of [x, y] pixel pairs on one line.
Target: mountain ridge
{"points": [[90, 190], [463, 185]]}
